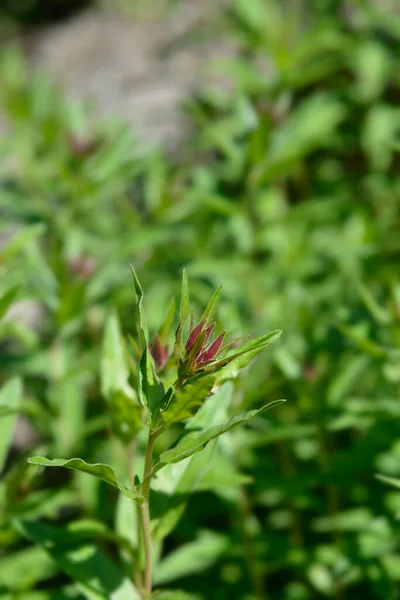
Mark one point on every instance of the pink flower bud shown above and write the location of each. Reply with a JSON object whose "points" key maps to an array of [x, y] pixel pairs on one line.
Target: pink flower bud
{"points": [[210, 353], [193, 335]]}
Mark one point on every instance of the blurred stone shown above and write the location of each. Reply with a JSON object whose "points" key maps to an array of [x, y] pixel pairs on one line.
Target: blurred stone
{"points": [[141, 69]]}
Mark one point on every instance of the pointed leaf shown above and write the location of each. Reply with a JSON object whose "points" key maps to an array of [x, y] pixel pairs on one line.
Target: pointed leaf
{"points": [[10, 399], [196, 441], [99, 470], [229, 367], [208, 314], [149, 384], [95, 575], [183, 313], [142, 322], [185, 402], [184, 308], [167, 323]]}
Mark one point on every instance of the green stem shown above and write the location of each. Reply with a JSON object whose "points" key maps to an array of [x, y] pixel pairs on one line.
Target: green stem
{"points": [[137, 576], [145, 513]]}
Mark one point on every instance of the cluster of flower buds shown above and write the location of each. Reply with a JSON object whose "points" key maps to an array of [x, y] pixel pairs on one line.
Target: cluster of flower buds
{"points": [[199, 349]]}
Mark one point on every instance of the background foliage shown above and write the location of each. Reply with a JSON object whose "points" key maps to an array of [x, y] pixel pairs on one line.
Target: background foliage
{"points": [[289, 197]]}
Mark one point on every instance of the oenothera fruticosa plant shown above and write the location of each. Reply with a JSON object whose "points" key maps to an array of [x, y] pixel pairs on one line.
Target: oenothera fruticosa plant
{"points": [[172, 386]]}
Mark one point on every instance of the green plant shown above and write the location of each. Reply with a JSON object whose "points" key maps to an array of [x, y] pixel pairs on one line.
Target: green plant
{"points": [[170, 389], [288, 195]]}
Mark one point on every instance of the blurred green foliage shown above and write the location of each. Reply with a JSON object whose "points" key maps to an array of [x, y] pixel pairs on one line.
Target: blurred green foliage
{"points": [[289, 195]]}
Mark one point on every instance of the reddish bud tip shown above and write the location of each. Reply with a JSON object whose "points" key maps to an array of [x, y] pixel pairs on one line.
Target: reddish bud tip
{"points": [[207, 335], [193, 335], [211, 352]]}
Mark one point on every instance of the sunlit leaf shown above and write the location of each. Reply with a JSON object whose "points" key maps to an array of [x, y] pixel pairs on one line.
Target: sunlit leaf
{"points": [[194, 441], [185, 402], [99, 470]]}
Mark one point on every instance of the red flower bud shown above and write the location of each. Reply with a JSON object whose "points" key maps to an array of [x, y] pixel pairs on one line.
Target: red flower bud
{"points": [[210, 353], [208, 333], [193, 335]]}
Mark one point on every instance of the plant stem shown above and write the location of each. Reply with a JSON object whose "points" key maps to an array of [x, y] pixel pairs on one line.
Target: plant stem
{"points": [[131, 455], [145, 513]]}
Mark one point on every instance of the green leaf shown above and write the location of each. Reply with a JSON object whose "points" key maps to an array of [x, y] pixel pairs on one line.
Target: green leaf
{"points": [[208, 314], [229, 367], [149, 387], [395, 482], [173, 595], [95, 575], [10, 400], [126, 412], [184, 308], [167, 323], [183, 312], [114, 372], [191, 558], [142, 321], [195, 441], [6, 299], [25, 568], [184, 403], [173, 484], [99, 470]]}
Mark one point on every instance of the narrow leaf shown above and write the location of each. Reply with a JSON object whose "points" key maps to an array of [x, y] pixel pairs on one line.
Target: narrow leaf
{"points": [[196, 441], [99, 470], [185, 402], [10, 399], [394, 481], [229, 367], [142, 322], [208, 314], [6, 299], [167, 323], [184, 308]]}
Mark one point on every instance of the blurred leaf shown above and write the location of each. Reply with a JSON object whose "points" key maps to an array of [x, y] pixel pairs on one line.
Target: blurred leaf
{"points": [[6, 299], [24, 568], [10, 400], [191, 558], [390, 480], [126, 412], [94, 574]]}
